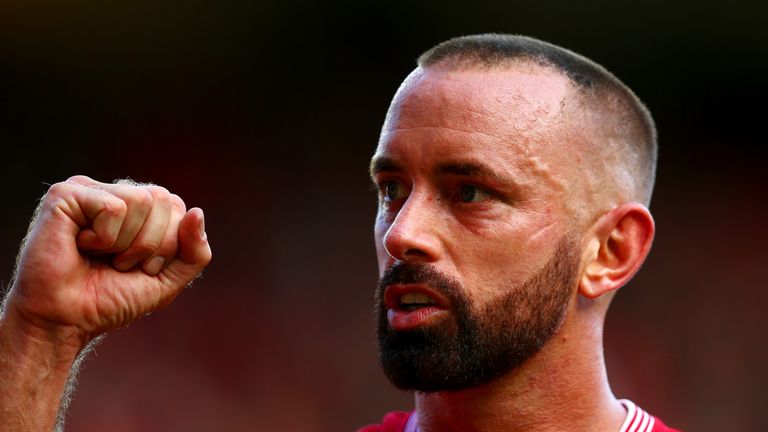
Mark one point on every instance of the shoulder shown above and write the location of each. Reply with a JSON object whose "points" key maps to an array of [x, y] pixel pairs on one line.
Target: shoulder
{"points": [[392, 422]]}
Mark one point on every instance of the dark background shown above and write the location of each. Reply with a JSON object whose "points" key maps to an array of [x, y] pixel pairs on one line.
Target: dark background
{"points": [[265, 114]]}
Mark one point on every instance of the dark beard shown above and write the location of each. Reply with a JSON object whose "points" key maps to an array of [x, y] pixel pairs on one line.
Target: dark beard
{"points": [[470, 347]]}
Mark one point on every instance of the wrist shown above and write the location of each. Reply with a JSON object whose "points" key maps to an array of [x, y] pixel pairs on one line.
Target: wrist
{"points": [[35, 342], [35, 363]]}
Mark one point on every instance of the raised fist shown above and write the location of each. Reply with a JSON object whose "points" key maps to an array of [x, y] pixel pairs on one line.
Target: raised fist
{"points": [[100, 255]]}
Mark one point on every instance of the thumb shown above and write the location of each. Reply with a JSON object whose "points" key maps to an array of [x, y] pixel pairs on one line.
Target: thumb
{"points": [[194, 252]]}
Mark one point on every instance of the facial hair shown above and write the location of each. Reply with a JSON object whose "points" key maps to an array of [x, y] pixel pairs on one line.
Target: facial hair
{"points": [[472, 347]]}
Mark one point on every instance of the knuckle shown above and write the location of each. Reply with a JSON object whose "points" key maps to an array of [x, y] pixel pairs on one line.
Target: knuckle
{"points": [[141, 198], [115, 207], [159, 192], [58, 195], [59, 189], [80, 179], [178, 203]]}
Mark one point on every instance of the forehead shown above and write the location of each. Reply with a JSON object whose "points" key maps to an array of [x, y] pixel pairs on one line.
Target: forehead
{"points": [[511, 117], [516, 99]]}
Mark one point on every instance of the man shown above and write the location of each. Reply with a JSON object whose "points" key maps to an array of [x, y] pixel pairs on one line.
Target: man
{"points": [[514, 179]]}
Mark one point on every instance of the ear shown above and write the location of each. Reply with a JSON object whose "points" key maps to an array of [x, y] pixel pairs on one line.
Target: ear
{"points": [[619, 243]]}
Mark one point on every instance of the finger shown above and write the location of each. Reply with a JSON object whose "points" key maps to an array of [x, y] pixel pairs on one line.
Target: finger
{"points": [[99, 214], [138, 199], [81, 203], [194, 251], [169, 245], [82, 180], [149, 238]]}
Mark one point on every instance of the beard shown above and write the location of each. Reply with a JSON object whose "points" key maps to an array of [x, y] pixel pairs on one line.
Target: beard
{"points": [[473, 347]]}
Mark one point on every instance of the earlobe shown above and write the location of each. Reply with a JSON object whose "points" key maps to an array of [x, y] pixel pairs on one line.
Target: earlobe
{"points": [[620, 242]]}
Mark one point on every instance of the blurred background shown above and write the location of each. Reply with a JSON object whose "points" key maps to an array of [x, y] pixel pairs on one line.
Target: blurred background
{"points": [[266, 113]]}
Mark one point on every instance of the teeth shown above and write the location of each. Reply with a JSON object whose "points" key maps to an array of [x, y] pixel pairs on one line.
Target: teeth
{"points": [[415, 298]]}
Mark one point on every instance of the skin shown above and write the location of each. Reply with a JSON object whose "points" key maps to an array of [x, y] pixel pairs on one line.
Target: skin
{"points": [[89, 263], [98, 256], [494, 226]]}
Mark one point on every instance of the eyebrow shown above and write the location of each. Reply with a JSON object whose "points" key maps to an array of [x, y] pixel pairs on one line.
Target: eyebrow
{"points": [[471, 169], [467, 169], [381, 164]]}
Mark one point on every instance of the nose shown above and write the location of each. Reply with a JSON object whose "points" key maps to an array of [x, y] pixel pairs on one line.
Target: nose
{"points": [[413, 236]]}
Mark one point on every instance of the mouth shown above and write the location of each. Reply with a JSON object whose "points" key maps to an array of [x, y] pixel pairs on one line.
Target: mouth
{"points": [[412, 301], [410, 306]]}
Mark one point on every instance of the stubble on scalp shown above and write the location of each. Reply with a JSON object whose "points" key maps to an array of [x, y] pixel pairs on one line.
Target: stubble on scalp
{"points": [[618, 126]]}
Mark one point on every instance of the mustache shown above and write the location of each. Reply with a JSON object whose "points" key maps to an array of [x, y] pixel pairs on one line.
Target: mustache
{"points": [[405, 273]]}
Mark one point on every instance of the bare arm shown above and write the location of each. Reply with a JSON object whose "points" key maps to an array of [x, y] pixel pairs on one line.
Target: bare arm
{"points": [[98, 256]]}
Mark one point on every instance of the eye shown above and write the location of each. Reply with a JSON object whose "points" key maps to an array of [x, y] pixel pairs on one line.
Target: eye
{"points": [[392, 190], [470, 194]]}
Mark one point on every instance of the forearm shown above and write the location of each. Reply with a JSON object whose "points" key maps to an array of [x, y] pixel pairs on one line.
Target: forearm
{"points": [[98, 256], [35, 364]]}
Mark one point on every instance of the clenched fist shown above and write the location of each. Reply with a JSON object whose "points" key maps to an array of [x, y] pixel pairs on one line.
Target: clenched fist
{"points": [[101, 255]]}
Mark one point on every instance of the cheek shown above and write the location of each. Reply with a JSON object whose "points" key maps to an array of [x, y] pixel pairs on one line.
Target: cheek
{"points": [[491, 267], [497, 258]]}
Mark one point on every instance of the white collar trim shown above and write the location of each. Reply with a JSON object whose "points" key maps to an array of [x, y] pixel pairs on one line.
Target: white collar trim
{"points": [[637, 419]]}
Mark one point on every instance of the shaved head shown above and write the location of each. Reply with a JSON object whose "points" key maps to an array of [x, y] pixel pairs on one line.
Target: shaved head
{"points": [[611, 127]]}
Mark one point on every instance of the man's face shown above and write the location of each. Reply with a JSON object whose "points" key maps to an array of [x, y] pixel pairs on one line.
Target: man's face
{"points": [[476, 256]]}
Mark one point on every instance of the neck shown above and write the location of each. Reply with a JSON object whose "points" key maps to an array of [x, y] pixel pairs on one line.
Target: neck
{"points": [[563, 384]]}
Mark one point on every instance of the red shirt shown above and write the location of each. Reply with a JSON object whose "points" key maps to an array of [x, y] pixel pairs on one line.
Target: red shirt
{"points": [[637, 420]]}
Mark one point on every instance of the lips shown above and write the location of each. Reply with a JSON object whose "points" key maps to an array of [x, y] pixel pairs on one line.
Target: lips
{"points": [[413, 305]]}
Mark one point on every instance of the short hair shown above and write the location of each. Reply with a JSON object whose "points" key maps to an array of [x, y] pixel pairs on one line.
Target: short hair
{"points": [[619, 115]]}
